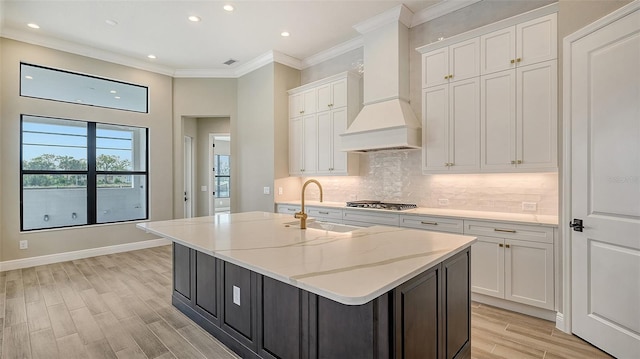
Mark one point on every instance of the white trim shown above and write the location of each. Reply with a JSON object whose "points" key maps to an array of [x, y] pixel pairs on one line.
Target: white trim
{"points": [[560, 324], [399, 13], [287, 60], [205, 73], [84, 253], [541, 313], [498, 25], [83, 50], [565, 213], [440, 9], [335, 51]]}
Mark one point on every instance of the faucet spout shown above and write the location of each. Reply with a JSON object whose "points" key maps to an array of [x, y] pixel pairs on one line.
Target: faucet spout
{"points": [[302, 216]]}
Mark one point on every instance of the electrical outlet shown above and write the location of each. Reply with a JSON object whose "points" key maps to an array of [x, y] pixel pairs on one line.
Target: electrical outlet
{"points": [[443, 202], [267, 190], [203, 188], [529, 206], [280, 191], [24, 244], [236, 295]]}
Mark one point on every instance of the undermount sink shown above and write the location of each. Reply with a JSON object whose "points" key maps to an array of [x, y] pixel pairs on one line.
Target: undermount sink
{"points": [[325, 226]]}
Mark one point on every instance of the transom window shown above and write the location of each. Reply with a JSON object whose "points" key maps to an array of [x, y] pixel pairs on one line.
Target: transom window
{"points": [[79, 173]]}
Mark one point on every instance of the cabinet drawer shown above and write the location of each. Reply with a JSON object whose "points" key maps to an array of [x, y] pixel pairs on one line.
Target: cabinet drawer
{"points": [[288, 209], [509, 231], [373, 218], [325, 213], [437, 224]]}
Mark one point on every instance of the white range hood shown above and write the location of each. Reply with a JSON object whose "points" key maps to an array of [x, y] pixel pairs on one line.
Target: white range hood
{"points": [[386, 121]]}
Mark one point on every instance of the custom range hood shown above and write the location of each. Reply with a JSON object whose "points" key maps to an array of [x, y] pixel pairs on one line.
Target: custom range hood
{"points": [[386, 122]]}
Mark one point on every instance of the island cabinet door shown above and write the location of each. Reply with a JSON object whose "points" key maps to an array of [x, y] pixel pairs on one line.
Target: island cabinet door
{"points": [[457, 305], [182, 271], [280, 320], [238, 317], [418, 318], [206, 296]]}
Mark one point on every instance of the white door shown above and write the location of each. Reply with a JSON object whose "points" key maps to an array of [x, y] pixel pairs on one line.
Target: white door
{"points": [[188, 177], [487, 266], [604, 113]]}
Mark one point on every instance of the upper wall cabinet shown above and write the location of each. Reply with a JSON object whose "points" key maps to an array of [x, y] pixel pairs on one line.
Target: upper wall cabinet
{"points": [[489, 98], [524, 44], [314, 135], [453, 63]]}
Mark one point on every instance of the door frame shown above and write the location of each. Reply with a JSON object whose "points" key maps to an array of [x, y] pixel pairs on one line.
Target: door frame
{"points": [[211, 185], [563, 318]]}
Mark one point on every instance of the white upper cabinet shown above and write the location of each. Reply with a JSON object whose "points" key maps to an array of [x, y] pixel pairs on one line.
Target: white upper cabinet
{"points": [[524, 44], [452, 63], [314, 139], [303, 103], [332, 95], [451, 127]]}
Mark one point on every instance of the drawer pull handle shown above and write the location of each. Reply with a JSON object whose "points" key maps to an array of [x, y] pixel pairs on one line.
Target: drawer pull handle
{"points": [[505, 230], [291, 209], [323, 212], [430, 223]]}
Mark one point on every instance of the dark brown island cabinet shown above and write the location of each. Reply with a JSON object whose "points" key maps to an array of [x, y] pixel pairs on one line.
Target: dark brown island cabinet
{"points": [[256, 316]]}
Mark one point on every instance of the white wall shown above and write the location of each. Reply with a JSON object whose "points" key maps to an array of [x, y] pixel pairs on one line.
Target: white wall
{"points": [[158, 120]]}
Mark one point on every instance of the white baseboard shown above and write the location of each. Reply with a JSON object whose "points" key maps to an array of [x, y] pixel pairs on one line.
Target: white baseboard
{"points": [[560, 325], [85, 253]]}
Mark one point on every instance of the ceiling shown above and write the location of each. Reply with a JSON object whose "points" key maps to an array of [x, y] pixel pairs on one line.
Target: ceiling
{"points": [[162, 28]]}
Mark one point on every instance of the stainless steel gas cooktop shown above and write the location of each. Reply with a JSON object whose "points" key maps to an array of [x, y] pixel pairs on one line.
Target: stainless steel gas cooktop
{"points": [[381, 205]]}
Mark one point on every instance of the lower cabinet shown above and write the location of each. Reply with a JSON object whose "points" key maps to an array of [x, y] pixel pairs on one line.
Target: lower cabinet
{"points": [[260, 317]]}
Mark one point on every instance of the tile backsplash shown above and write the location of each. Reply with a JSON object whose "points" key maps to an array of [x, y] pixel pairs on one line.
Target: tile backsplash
{"points": [[397, 177]]}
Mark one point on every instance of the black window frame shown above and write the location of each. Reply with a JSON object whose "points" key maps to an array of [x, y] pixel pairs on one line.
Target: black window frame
{"points": [[91, 172], [217, 176]]}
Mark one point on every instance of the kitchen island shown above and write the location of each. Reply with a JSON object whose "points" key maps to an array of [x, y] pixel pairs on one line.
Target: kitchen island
{"points": [[267, 289]]}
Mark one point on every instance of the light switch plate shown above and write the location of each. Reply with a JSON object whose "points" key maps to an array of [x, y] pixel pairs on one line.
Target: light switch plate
{"points": [[203, 188], [280, 190], [236, 295], [24, 244], [267, 190]]}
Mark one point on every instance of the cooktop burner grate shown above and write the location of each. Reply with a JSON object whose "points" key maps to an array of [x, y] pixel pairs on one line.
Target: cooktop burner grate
{"points": [[381, 205]]}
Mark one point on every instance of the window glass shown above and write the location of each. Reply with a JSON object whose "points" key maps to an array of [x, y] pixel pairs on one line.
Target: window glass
{"points": [[59, 85], [62, 185], [222, 168]]}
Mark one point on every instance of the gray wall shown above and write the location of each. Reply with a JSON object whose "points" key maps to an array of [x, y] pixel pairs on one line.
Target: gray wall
{"points": [[158, 120], [198, 98]]}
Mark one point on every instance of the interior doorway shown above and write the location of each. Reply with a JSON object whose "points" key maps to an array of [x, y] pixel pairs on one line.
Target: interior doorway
{"points": [[188, 177], [220, 173]]}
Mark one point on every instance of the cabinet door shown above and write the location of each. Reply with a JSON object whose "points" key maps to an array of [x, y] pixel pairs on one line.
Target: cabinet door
{"points": [[325, 138], [182, 270], [497, 121], [238, 297], [324, 98], [464, 60], [435, 128], [464, 125], [295, 146], [309, 102], [295, 105], [339, 94], [529, 273], [537, 112], [310, 144], [487, 266], [435, 67], [497, 51], [338, 126], [206, 284], [536, 41]]}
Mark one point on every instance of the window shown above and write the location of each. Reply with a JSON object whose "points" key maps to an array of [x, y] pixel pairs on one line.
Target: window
{"points": [[60, 85], [222, 178], [78, 173]]}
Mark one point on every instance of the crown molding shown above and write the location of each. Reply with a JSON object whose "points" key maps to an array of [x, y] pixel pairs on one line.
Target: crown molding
{"points": [[440, 9], [287, 60], [205, 73], [335, 51], [399, 13], [84, 50]]}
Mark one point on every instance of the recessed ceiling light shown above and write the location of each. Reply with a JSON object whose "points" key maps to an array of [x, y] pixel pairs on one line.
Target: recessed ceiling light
{"points": [[117, 97], [228, 7], [28, 77], [113, 91], [111, 22], [78, 100], [151, 56], [33, 25], [284, 34], [194, 18]]}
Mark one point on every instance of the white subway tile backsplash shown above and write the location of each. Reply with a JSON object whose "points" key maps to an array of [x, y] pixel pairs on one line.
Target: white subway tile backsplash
{"points": [[396, 177]]}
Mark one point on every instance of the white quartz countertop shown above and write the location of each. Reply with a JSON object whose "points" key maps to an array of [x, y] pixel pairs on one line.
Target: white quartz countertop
{"points": [[522, 218], [351, 268]]}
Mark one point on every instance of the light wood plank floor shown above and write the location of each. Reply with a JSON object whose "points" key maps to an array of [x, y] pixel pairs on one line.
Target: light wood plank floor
{"points": [[119, 306]]}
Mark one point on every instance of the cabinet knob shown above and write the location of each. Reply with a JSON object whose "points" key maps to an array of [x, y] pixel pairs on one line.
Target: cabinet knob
{"points": [[446, 77], [450, 76], [451, 164], [508, 246], [518, 60], [500, 245], [513, 61], [513, 162], [519, 162]]}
